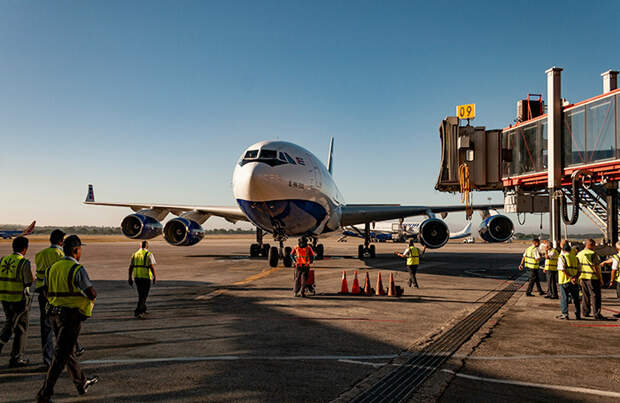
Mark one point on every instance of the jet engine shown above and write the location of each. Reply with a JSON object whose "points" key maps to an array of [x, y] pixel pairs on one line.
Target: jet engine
{"points": [[496, 228], [181, 231], [140, 226], [434, 233]]}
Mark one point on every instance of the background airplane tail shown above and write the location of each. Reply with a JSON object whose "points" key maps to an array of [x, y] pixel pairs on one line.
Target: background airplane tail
{"points": [[330, 158], [90, 196]]}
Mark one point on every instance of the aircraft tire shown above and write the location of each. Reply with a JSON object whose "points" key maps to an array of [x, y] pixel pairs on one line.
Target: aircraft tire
{"points": [[287, 259], [320, 251], [360, 252], [265, 251], [371, 251], [254, 250], [273, 256]]}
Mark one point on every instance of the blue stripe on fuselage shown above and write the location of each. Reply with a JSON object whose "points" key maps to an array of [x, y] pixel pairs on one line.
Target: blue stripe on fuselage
{"points": [[291, 217]]}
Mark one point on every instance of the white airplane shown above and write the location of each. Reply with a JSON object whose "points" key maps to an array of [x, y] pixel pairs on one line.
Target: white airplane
{"points": [[283, 189], [391, 231]]}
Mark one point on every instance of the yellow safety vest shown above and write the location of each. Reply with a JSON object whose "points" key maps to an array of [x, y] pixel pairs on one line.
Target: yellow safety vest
{"points": [[11, 278], [61, 289], [140, 264], [616, 257], [571, 268], [530, 261], [586, 260], [44, 260], [413, 259], [551, 263]]}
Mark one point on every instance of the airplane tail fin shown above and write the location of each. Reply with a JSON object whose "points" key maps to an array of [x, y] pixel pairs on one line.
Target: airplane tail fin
{"points": [[30, 229], [90, 196], [330, 158]]}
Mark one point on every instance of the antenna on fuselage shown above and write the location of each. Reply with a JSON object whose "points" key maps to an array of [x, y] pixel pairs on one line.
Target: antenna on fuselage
{"points": [[330, 158]]}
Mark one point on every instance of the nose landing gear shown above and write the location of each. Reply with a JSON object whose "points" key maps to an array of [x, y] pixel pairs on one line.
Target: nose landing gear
{"points": [[259, 248], [366, 250]]}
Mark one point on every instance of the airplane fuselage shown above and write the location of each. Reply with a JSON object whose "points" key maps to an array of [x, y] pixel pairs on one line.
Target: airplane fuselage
{"points": [[284, 189]]}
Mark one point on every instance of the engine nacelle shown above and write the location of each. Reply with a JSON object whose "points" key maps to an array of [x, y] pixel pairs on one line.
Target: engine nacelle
{"points": [[434, 233], [181, 231], [496, 228], [140, 226]]}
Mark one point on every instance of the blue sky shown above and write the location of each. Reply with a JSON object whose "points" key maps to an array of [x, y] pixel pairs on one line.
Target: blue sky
{"points": [[155, 101]]}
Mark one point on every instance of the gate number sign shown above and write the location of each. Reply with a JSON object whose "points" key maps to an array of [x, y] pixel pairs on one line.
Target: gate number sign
{"points": [[466, 111]]}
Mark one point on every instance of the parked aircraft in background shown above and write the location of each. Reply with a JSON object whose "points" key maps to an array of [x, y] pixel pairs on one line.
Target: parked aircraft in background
{"points": [[397, 232], [283, 189], [11, 234]]}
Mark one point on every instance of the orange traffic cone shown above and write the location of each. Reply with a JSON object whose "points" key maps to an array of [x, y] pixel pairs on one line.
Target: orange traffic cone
{"points": [[391, 290], [367, 288], [344, 287], [379, 287], [355, 288]]}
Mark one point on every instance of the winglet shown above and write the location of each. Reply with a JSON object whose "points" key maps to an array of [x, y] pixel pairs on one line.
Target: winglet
{"points": [[330, 159], [90, 196]]}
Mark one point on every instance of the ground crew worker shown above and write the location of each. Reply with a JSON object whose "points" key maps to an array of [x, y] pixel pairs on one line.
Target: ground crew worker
{"points": [[568, 277], [71, 298], [44, 260], [302, 255], [412, 254], [551, 270], [615, 273], [15, 281], [142, 267], [591, 281], [531, 261]]}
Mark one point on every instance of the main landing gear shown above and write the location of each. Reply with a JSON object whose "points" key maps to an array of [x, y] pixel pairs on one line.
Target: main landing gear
{"points": [[259, 248], [366, 250]]}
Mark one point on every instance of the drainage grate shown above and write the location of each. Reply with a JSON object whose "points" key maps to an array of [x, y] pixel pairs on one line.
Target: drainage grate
{"points": [[400, 384]]}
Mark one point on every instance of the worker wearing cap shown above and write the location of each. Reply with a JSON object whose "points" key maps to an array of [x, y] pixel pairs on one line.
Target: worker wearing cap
{"points": [[302, 256], [142, 268], [71, 298], [412, 254], [568, 280], [531, 261], [591, 281], [15, 281], [615, 273], [551, 270], [44, 260]]}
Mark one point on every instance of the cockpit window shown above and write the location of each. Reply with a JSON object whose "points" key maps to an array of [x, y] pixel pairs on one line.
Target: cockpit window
{"points": [[289, 159], [268, 154], [251, 154], [282, 157]]}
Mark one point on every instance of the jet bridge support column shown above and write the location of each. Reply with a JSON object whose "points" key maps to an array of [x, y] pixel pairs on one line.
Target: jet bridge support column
{"points": [[554, 147], [612, 212]]}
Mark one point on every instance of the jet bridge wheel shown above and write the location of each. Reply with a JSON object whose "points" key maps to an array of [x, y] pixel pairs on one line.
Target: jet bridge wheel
{"points": [[287, 259], [274, 256], [254, 250]]}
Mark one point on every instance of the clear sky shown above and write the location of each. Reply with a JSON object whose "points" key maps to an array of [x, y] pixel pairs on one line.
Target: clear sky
{"points": [[155, 101]]}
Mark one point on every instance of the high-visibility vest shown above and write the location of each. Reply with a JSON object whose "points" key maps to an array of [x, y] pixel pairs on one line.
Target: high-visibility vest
{"points": [[44, 260], [616, 257], [571, 268], [140, 264], [303, 255], [551, 263], [61, 289], [11, 278], [586, 260], [413, 258], [530, 260]]}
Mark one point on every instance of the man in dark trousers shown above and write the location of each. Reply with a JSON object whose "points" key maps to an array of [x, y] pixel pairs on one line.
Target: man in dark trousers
{"points": [[15, 281], [142, 268], [531, 261], [591, 281], [412, 254], [71, 298], [302, 255]]}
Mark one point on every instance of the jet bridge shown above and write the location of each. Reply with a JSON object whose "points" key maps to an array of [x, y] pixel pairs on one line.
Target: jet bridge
{"points": [[567, 157]]}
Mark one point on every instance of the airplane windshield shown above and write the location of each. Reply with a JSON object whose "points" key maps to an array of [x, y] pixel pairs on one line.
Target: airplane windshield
{"points": [[268, 154], [270, 157], [251, 154]]}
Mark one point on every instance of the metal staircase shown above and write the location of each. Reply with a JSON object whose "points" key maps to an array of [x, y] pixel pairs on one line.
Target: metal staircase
{"points": [[593, 204]]}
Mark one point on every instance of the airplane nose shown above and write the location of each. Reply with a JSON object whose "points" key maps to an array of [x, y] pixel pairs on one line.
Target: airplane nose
{"points": [[254, 181]]}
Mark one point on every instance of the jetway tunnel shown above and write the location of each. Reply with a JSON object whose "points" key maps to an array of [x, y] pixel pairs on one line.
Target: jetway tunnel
{"points": [[555, 157]]}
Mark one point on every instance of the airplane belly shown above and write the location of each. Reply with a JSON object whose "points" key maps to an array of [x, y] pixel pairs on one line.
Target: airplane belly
{"points": [[292, 217]]}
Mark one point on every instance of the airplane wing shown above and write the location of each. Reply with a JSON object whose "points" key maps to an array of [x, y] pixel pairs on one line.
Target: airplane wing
{"points": [[353, 214], [11, 234], [229, 213]]}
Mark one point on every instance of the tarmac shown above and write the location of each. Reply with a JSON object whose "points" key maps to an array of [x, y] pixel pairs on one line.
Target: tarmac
{"points": [[224, 327]]}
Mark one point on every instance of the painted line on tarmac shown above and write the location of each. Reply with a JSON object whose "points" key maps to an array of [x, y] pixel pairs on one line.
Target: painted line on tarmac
{"points": [[611, 310], [537, 357], [240, 358], [596, 325], [258, 276], [536, 385]]}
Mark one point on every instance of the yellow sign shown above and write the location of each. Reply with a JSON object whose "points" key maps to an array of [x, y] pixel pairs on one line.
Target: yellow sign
{"points": [[466, 111]]}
